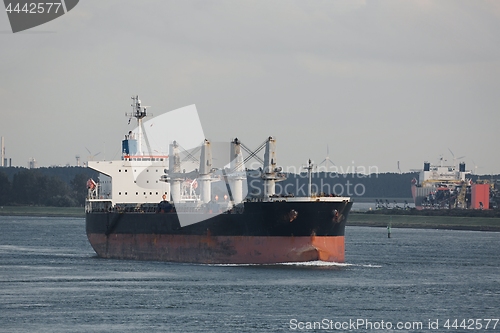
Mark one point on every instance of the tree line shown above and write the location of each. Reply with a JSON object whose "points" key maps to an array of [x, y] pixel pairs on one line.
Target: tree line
{"points": [[57, 187], [384, 185], [66, 186]]}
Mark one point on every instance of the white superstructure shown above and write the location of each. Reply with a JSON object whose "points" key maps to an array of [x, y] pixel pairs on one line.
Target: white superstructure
{"points": [[434, 174], [135, 179]]}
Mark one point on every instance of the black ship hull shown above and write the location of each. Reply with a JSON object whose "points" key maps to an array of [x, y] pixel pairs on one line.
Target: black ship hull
{"points": [[263, 232]]}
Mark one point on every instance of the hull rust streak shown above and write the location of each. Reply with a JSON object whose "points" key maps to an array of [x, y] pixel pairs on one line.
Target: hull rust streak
{"points": [[219, 249]]}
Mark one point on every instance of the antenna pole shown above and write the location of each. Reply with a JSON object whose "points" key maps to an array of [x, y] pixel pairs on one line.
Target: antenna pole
{"points": [[138, 113], [309, 168]]}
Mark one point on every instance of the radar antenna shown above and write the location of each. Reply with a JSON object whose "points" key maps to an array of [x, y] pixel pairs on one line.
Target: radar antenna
{"points": [[139, 112]]}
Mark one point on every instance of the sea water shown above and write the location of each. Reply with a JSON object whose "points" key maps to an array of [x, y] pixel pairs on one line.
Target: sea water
{"points": [[416, 281]]}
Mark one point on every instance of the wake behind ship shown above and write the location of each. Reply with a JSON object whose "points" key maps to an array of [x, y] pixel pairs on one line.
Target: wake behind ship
{"points": [[146, 206]]}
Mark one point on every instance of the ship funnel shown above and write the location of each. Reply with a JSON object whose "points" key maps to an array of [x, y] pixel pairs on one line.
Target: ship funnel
{"points": [[129, 145]]}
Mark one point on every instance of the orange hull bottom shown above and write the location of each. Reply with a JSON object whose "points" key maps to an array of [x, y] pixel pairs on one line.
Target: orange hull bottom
{"points": [[219, 249]]}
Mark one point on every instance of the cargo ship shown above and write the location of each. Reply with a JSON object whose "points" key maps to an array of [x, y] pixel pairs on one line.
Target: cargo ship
{"points": [[441, 186], [146, 206], [447, 187]]}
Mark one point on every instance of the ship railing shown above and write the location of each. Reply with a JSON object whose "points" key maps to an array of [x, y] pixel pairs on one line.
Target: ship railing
{"points": [[98, 206], [106, 206]]}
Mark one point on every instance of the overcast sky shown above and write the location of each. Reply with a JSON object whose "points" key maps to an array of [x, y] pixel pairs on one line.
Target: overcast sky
{"points": [[377, 81]]}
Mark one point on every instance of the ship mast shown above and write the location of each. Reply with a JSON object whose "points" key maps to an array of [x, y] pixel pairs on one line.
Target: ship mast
{"points": [[174, 167], [205, 177], [237, 171], [271, 173], [138, 112], [309, 169]]}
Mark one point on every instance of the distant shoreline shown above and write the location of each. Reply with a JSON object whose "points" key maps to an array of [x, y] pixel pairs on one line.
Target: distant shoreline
{"points": [[42, 211], [354, 219], [425, 222]]}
